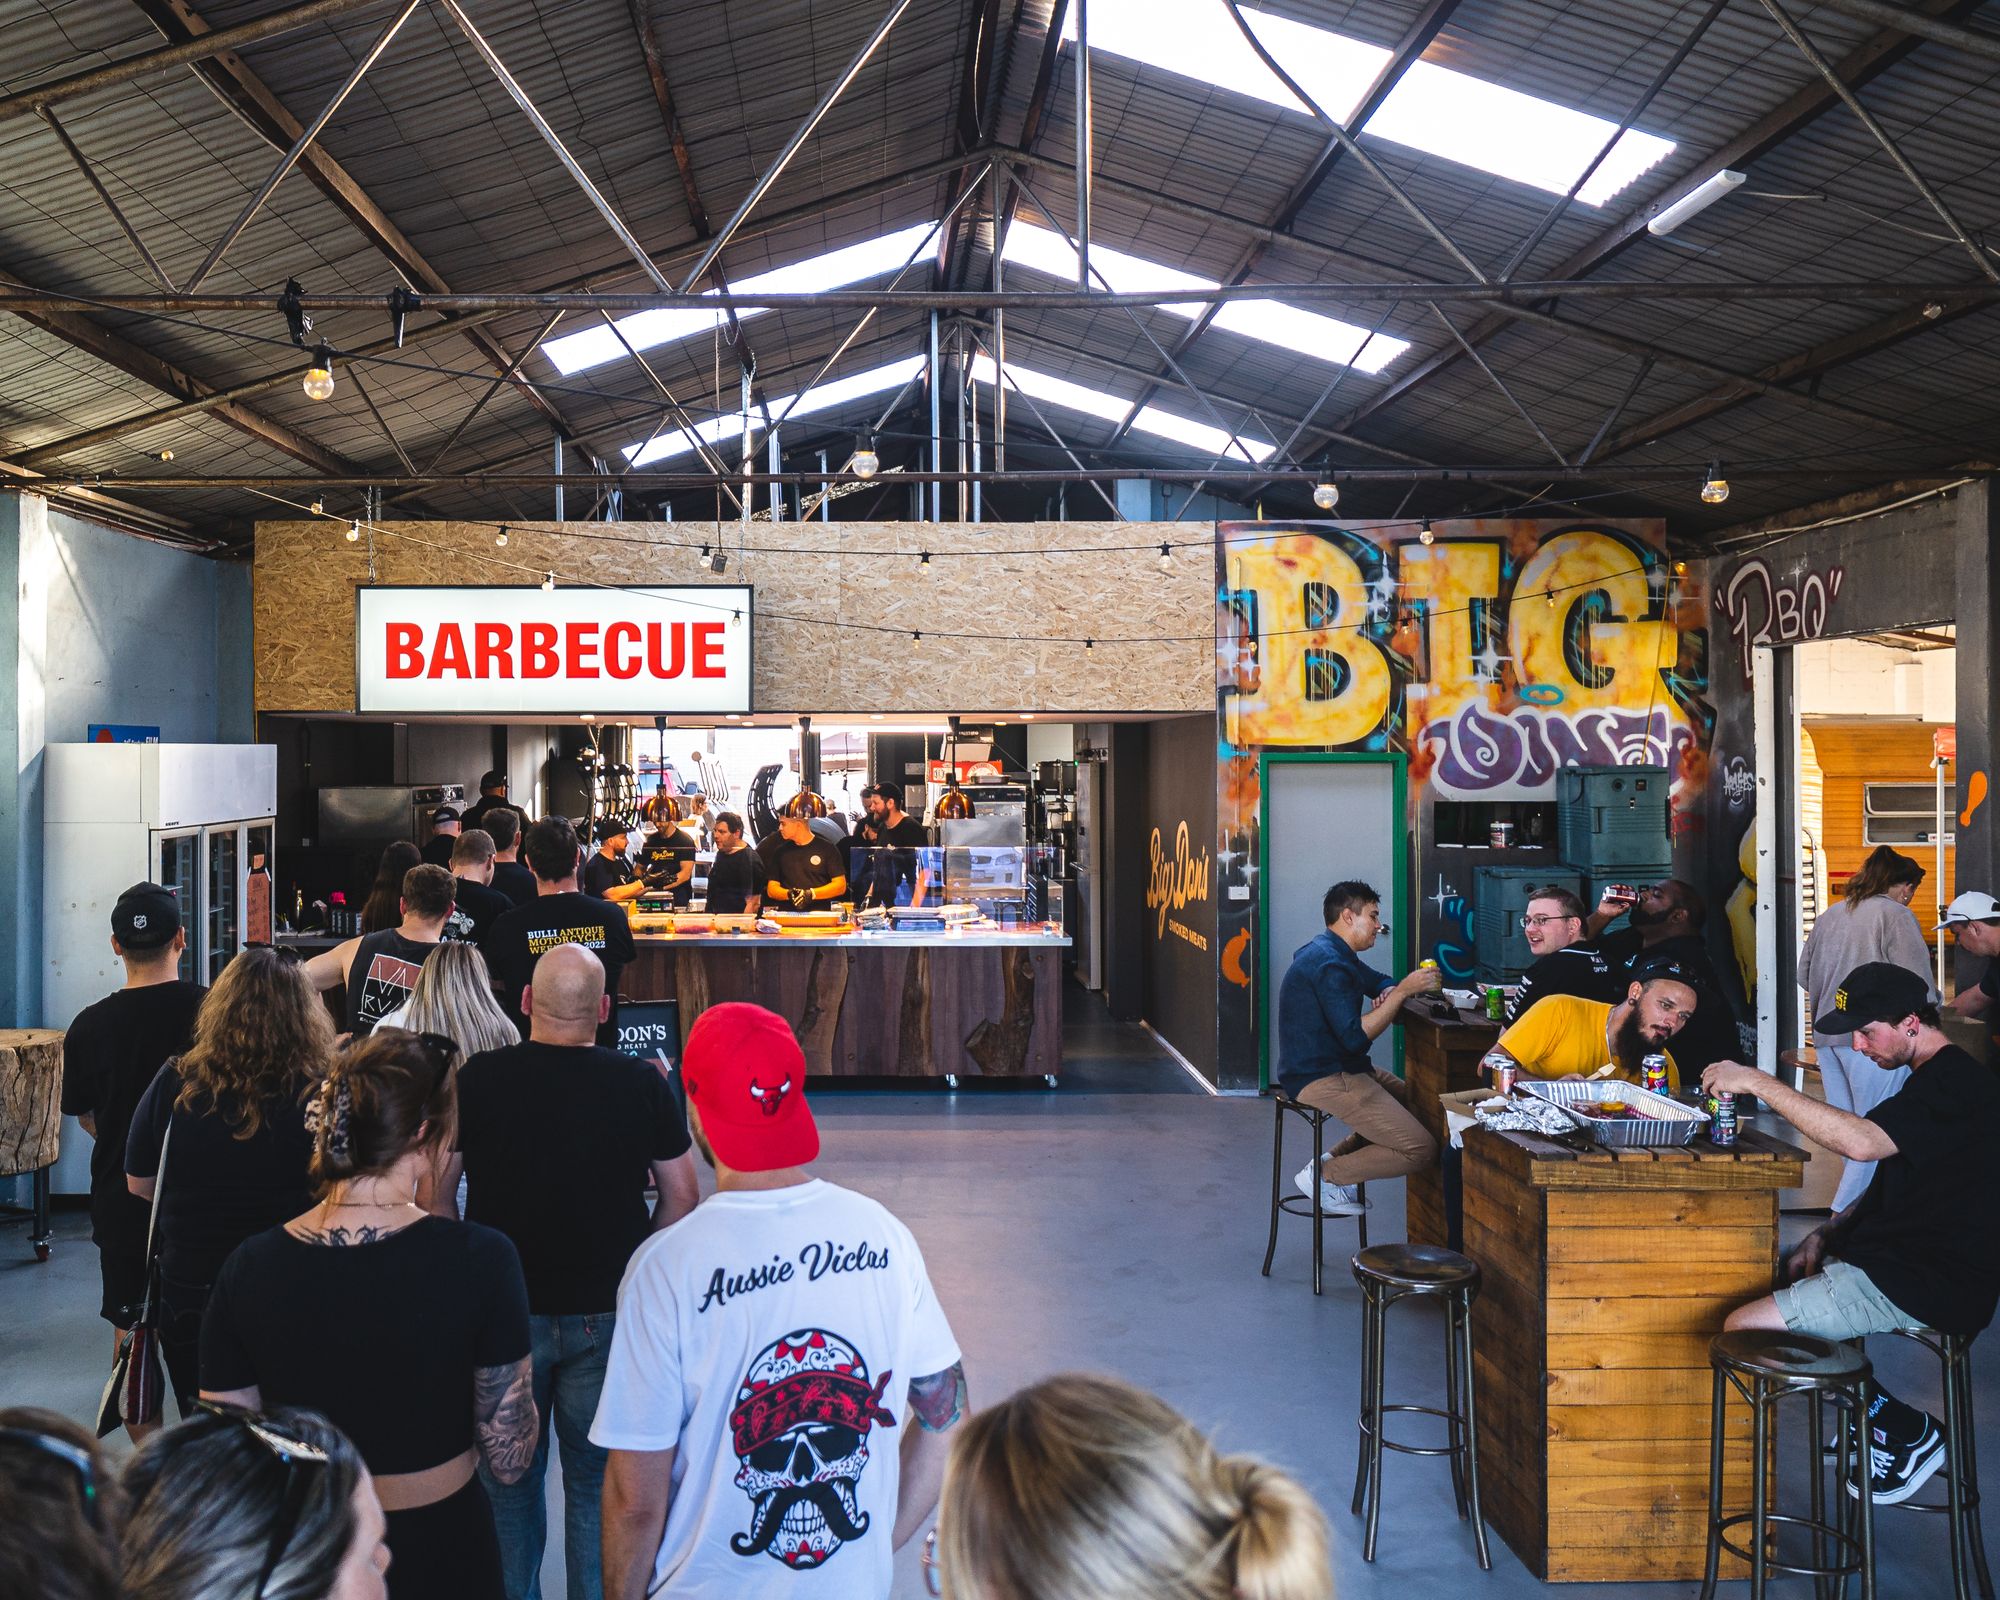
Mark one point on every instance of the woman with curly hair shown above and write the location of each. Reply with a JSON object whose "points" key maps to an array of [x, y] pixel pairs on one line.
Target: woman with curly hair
{"points": [[230, 1119]]}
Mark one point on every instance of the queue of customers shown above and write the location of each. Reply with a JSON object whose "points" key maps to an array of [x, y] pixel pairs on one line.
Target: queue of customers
{"points": [[386, 1268]]}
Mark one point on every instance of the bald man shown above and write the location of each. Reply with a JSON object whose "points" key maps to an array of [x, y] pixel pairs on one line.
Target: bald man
{"points": [[557, 1141]]}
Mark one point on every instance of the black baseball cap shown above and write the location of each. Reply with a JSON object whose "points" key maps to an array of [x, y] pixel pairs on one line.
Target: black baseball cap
{"points": [[146, 917], [443, 814], [610, 828], [1663, 967], [493, 780], [1878, 992]]}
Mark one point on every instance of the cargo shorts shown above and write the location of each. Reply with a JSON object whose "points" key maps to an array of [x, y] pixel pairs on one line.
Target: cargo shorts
{"points": [[1840, 1302]]}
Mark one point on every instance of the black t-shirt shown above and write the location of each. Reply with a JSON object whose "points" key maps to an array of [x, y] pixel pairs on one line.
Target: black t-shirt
{"points": [[894, 860], [1578, 969], [112, 1051], [800, 866], [664, 853], [1710, 1035], [473, 911], [733, 876], [437, 850], [602, 873], [1927, 1231], [382, 1339], [473, 816], [515, 881], [218, 1189], [518, 938], [381, 976], [556, 1141]]}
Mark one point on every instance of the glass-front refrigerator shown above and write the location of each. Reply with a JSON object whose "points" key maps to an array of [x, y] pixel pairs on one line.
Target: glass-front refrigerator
{"points": [[208, 869]]}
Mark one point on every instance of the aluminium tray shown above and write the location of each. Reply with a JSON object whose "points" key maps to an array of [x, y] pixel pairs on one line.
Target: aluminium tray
{"points": [[1663, 1121]]}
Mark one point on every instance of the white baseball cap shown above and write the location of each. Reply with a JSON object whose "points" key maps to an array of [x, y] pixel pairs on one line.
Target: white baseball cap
{"points": [[1972, 906]]}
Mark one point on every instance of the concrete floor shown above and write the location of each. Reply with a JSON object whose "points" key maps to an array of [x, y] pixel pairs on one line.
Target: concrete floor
{"points": [[1095, 1228]]}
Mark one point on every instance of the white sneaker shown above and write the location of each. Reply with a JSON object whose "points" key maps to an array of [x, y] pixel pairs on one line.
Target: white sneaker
{"points": [[1335, 1199]]}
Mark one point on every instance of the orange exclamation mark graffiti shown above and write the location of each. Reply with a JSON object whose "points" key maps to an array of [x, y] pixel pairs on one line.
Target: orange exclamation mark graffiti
{"points": [[1975, 797]]}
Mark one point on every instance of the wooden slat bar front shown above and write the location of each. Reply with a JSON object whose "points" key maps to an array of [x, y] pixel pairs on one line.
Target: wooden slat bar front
{"points": [[890, 1007], [1606, 1273], [1440, 1056]]}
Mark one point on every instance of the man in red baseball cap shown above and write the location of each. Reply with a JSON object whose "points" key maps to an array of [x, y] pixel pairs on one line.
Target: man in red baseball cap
{"points": [[765, 1345]]}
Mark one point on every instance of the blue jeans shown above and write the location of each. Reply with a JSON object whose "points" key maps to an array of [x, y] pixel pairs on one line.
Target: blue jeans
{"points": [[570, 1354]]}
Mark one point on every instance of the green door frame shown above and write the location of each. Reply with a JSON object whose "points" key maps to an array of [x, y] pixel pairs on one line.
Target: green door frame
{"points": [[1400, 932]]}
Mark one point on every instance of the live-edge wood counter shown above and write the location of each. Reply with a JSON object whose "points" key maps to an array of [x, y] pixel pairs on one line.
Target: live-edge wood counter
{"points": [[877, 1004], [1440, 1056], [1606, 1273]]}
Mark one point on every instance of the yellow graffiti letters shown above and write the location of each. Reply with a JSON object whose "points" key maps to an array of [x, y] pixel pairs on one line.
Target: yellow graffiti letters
{"points": [[1176, 882]]}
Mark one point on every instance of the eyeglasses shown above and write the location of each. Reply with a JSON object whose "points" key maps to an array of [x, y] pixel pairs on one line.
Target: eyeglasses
{"points": [[289, 1450], [933, 1573], [75, 1457], [1532, 923]]}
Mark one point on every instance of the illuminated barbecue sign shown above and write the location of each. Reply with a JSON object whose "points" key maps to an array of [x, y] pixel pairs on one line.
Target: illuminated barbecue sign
{"points": [[513, 652]]}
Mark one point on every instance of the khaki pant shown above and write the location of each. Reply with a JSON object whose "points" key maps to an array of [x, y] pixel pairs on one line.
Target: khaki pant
{"points": [[1387, 1142]]}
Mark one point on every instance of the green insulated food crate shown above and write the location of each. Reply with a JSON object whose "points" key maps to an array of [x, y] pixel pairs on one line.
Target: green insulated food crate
{"points": [[1500, 951], [1612, 817]]}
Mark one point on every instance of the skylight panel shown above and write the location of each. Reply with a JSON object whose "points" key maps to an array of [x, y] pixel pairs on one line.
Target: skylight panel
{"points": [[833, 269], [1198, 436], [821, 397], [1306, 333], [1433, 109]]}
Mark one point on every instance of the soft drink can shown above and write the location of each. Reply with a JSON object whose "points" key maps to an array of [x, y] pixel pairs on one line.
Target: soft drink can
{"points": [[1496, 1003], [1505, 1077], [1655, 1068], [1722, 1119]]}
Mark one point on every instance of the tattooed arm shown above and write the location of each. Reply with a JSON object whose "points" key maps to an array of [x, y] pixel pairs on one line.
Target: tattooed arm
{"points": [[503, 1410], [938, 1404]]}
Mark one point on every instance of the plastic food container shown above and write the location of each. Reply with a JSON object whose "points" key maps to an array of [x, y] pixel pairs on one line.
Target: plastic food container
{"points": [[1651, 1119]]}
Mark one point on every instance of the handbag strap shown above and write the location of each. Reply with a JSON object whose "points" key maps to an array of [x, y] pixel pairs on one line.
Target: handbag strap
{"points": [[153, 1222]]}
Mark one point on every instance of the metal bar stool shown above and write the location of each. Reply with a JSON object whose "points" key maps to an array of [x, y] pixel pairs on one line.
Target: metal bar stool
{"points": [[1392, 1272], [1961, 1461], [1765, 1366], [1299, 1205]]}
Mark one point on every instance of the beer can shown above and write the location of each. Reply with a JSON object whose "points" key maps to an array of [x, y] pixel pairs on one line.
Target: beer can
{"points": [[1655, 1069], [1505, 1077], [1427, 965], [1722, 1119], [1496, 1003]]}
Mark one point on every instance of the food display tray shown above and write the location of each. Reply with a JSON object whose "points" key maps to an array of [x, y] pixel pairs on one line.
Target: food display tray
{"points": [[1661, 1121]]}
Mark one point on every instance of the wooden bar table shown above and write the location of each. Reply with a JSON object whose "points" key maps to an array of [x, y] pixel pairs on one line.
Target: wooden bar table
{"points": [[1440, 1056], [1606, 1273]]}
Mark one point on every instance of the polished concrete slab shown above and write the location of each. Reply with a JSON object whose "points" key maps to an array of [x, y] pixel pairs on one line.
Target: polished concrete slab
{"points": [[1111, 1232]]}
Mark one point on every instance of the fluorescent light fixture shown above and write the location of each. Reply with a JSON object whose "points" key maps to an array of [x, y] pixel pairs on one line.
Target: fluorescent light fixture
{"points": [[1696, 200], [1433, 109], [835, 269], [822, 397], [1269, 321], [1197, 436]]}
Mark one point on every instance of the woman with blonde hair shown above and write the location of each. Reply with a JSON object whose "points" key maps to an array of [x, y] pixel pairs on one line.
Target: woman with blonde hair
{"points": [[1085, 1488], [229, 1118], [1871, 922], [454, 997], [407, 1332]]}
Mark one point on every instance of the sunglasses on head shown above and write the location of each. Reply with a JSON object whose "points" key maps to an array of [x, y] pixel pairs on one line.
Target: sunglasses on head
{"points": [[75, 1457], [288, 1449]]}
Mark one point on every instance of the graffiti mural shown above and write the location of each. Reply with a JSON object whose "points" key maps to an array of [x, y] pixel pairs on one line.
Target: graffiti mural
{"points": [[1491, 654], [1762, 609]]}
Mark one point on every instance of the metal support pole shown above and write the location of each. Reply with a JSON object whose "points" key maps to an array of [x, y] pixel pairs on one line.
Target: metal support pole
{"points": [[773, 465], [937, 426], [1083, 144], [559, 487], [306, 137], [798, 138], [999, 182], [825, 492], [744, 499], [972, 417], [554, 141], [1499, 383], [958, 420], [96, 183]]}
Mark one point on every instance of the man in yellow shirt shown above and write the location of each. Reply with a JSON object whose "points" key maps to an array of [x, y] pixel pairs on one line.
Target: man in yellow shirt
{"points": [[1566, 1036]]}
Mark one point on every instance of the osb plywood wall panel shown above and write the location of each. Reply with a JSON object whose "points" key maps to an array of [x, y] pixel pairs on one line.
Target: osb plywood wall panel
{"points": [[1068, 583]]}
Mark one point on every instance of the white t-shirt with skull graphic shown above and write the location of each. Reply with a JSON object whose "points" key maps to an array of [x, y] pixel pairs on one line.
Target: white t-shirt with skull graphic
{"points": [[770, 1338]]}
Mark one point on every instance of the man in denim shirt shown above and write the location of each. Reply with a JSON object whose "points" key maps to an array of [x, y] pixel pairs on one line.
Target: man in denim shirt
{"points": [[1325, 1026]]}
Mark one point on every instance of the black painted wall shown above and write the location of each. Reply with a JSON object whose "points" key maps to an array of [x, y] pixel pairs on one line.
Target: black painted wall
{"points": [[1175, 848]]}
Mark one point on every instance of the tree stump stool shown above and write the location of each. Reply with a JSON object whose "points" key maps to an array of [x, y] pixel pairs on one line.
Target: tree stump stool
{"points": [[31, 1069]]}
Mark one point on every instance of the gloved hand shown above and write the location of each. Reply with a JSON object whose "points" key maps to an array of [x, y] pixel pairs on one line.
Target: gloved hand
{"points": [[657, 878], [801, 899]]}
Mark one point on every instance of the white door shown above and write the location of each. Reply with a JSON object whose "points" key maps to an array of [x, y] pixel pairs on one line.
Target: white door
{"points": [[1324, 822]]}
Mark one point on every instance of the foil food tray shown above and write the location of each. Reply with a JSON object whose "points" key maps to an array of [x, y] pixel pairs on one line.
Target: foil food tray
{"points": [[1660, 1120]]}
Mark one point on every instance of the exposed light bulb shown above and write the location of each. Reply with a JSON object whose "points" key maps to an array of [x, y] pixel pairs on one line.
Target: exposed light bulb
{"points": [[916, 641], [736, 619], [1550, 596], [353, 532], [1714, 487], [865, 462], [706, 559], [549, 581], [1424, 534], [1090, 644], [1166, 558], [1326, 494], [318, 382], [924, 559], [163, 455], [318, 506], [500, 538]]}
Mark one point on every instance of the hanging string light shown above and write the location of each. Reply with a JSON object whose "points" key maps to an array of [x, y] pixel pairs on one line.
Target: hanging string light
{"points": [[353, 532], [500, 538], [1424, 534], [866, 463], [318, 381], [1166, 558], [1714, 487], [549, 582], [1326, 495]]}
